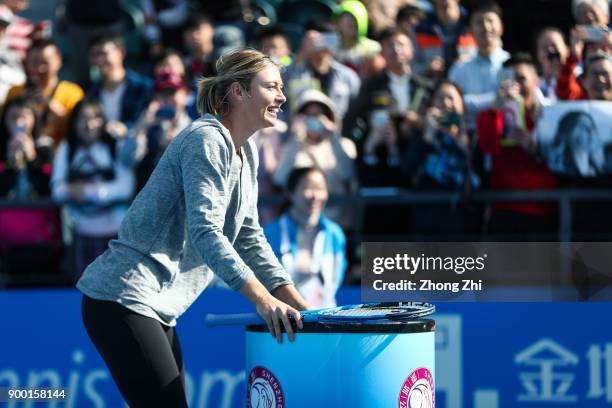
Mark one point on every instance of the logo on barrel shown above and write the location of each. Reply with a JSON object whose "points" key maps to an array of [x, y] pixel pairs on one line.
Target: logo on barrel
{"points": [[418, 390], [264, 390]]}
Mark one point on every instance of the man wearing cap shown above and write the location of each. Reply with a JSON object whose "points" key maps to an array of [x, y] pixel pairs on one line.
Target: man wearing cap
{"points": [[165, 116]]}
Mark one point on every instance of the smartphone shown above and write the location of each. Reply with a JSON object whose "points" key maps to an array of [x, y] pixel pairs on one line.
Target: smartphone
{"points": [[379, 118], [506, 75], [451, 119], [330, 41], [595, 33], [167, 112]]}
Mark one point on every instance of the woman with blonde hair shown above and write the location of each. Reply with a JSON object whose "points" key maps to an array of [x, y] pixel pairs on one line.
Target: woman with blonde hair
{"points": [[195, 217]]}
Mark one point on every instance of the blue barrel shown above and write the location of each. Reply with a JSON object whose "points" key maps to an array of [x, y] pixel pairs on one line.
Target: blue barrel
{"points": [[374, 364]]}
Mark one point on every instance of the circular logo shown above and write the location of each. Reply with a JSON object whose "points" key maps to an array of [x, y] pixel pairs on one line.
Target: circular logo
{"points": [[264, 390], [418, 390]]}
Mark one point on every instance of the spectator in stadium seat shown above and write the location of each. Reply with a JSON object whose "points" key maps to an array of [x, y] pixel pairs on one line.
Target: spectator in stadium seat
{"points": [[315, 140], [11, 68], [169, 61], [163, 119], [122, 92], [310, 246], [591, 12], [355, 50], [164, 24], [30, 238], [22, 32], [54, 98], [515, 164], [275, 43], [409, 17], [478, 77], [442, 38], [439, 158], [552, 53], [90, 179], [594, 217], [598, 77], [198, 35], [569, 83], [387, 112], [85, 21], [316, 68]]}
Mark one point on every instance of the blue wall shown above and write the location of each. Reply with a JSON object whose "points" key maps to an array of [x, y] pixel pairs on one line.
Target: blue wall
{"points": [[489, 355]]}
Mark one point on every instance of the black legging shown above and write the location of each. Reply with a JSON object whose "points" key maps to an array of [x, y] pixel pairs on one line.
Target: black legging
{"points": [[143, 356]]}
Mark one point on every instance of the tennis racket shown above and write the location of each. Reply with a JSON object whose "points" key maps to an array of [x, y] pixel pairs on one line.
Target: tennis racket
{"points": [[351, 313]]}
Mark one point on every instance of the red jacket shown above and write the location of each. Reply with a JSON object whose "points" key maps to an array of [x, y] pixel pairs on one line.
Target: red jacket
{"points": [[568, 86], [513, 167]]}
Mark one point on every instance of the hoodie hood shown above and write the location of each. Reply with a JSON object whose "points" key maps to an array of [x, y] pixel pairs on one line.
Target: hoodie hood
{"points": [[357, 10]]}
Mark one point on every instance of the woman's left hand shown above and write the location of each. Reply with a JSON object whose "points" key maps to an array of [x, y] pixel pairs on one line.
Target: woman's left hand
{"points": [[275, 313]]}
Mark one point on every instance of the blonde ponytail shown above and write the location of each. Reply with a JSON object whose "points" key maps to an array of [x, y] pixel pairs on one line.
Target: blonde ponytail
{"points": [[236, 66]]}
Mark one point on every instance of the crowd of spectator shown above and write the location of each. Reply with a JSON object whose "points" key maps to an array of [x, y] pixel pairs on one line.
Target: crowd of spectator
{"points": [[421, 97]]}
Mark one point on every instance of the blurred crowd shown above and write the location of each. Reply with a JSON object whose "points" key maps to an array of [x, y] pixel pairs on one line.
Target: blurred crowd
{"points": [[382, 95]]}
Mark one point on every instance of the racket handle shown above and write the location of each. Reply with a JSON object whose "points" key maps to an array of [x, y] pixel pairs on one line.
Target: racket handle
{"points": [[237, 319]]}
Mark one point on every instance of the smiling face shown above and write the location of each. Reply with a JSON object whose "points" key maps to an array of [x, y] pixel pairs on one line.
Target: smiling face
{"points": [[310, 195], [598, 80], [20, 119], [263, 100], [89, 124], [552, 52], [448, 99], [526, 77], [43, 64], [107, 57], [397, 52], [487, 29]]}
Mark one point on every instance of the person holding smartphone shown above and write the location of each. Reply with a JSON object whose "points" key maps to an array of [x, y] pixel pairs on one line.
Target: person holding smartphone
{"points": [[315, 141], [163, 119], [515, 164], [440, 158], [590, 36], [195, 218], [552, 53], [317, 68]]}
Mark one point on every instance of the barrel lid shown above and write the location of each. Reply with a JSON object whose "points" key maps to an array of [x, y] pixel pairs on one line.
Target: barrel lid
{"points": [[368, 326]]}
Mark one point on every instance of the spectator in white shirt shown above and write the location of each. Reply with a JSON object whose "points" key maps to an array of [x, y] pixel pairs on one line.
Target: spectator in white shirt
{"points": [[478, 77], [89, 178]]}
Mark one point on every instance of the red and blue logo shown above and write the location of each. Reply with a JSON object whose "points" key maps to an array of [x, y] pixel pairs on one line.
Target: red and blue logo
{"points": [[264, 389], [418, 390]]}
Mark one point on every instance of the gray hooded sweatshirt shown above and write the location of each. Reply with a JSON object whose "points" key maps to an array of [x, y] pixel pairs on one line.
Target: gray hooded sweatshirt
{"points": [[196, 216]]}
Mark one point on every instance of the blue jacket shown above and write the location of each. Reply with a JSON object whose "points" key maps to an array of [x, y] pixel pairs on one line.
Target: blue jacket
{"points": [[328, 257], [135, 99]]}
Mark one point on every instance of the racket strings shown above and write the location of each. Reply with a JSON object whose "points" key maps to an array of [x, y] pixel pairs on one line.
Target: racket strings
{"points": [[390, 312]]}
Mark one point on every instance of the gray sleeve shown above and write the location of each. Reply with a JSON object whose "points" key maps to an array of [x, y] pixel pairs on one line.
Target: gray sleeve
{"points": [[205, 165], [257, 253]]}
